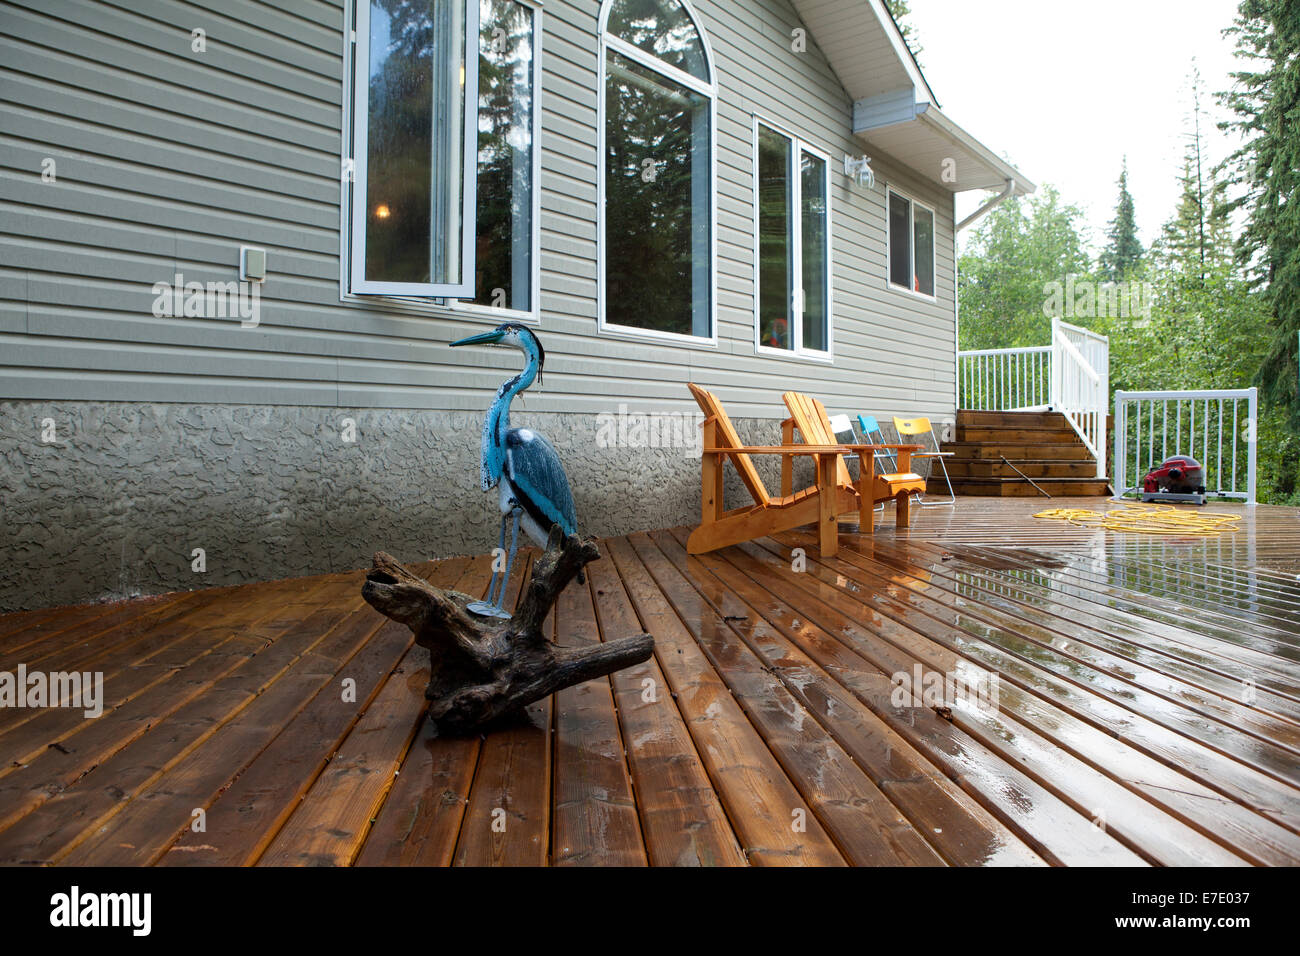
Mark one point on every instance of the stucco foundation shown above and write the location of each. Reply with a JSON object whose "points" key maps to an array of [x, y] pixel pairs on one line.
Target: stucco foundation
{"points": [[117, 503]]}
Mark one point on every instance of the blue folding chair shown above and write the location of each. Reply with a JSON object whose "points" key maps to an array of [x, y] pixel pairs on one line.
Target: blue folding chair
{"points": [[872, 434]]}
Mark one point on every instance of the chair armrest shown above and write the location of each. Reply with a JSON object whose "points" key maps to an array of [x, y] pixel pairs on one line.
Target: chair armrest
{"points": [[790, 450], [912, 448]]}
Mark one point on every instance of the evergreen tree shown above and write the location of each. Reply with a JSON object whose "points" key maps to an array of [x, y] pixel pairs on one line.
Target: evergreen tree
{"points": [[1266, 101], [1123, 253]]}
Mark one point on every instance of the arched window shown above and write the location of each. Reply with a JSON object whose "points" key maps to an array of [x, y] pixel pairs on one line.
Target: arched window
{"points": [[657, 220]]}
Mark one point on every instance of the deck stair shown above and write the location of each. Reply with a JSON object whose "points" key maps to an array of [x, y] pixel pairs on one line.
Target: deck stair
{"points": [[1042, 445]]}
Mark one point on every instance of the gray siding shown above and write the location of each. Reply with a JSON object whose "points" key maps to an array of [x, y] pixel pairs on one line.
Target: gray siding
{"points": [[169, 160]]}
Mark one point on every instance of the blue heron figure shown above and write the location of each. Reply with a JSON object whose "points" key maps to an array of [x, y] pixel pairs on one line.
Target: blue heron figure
{"points": [[534, 489]]}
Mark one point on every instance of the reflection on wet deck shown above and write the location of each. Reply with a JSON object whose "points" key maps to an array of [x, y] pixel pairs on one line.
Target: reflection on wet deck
{"points": [[984, 689]]}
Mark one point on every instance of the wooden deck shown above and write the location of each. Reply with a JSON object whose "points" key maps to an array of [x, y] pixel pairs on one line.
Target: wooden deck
{"points": [[1148, 712]]}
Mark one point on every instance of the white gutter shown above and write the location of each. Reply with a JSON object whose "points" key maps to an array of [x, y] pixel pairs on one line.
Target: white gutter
{"points": [[997, 200]]}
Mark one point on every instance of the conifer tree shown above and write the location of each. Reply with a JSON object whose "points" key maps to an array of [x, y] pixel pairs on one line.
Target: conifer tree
{"points": [[1123, 252], [1266, 101]]}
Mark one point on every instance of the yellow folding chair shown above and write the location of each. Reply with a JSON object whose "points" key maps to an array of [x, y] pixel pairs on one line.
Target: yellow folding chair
{"points": [[918, 428]]}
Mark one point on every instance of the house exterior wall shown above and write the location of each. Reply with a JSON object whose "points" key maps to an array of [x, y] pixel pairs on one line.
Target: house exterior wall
{"points": [[179, 433]]}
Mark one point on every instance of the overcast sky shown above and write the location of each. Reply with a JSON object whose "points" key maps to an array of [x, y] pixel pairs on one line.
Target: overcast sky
{"points": [[1065, 90]]}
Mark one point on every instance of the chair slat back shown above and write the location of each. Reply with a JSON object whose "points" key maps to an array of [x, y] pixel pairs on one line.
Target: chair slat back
{"points": [[727, 438], [815, 426]]}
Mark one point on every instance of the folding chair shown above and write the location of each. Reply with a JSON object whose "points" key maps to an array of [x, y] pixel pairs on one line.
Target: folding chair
{"points": [[844, 429], [916, 427], [873, 434]]}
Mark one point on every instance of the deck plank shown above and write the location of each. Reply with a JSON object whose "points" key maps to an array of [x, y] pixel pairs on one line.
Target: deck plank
{"points": [[759, 798], [161, 812], [955, 824], [1254, 775], [594, 818], [1027, 695], [868, 829], [507, 816], [330, 824], [328, 827], [1023, 590], [681, 814], [1089, 642], [421, 818], [1051, 818], [54, 829]]}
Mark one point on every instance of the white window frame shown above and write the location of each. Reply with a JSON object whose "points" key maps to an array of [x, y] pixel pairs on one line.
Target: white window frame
{"points": [[532, 316], [797, 287], [709, 89], [913, 202], [441, 305]]}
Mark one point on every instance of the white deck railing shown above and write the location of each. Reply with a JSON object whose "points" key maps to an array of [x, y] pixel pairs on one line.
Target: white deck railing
{"points": [[1001, 380], [1071, 376], [1217, 427]]}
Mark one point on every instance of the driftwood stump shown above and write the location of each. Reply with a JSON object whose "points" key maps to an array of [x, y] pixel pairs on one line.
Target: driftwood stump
{"points": [[483, 669]]}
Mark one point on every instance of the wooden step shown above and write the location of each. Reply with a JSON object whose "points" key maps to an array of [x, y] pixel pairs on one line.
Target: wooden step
{"points": [[1017, 434], [1041, 468], [1020, 451], [968, 416], [1019, 488]]}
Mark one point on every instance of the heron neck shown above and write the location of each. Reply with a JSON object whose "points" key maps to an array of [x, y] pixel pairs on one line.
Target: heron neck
{"points": [[497, 424]]}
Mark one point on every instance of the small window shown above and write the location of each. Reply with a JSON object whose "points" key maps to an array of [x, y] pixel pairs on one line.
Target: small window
{"points": [[911, 245], [656, 176], [414, 127], [792, 210]]}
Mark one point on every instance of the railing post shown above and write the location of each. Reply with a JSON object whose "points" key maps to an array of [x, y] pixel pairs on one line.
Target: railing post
{"points": [[1054, 397], [1104, 352], [1252, 440], [1121, 429]]}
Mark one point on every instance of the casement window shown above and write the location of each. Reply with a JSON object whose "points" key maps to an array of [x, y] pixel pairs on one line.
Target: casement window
{"points": [[656, 196], [444, 199], [911, 245], [792, 249]]}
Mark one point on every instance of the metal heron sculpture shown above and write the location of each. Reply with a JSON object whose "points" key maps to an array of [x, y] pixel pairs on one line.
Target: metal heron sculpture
{"points": [[534, 489]]}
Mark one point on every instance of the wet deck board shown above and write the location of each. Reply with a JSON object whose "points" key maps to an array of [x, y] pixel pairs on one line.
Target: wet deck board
{"points": [[1148, 712]]}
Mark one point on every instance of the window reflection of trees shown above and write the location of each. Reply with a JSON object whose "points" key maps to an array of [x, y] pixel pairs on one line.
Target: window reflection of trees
{"points": [[656, 139], [505, 143], [413, 135], [663, 29]]}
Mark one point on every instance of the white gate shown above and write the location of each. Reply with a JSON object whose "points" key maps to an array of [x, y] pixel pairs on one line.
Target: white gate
{"points": [[1216, 427]]}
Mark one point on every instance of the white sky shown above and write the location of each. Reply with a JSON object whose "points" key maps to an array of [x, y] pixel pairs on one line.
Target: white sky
{"points": [[1064, 90]]}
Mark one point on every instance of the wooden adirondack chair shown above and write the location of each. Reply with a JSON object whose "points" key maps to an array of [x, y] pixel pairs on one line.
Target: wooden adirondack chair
{"points": [[822, 503], [808, 417]]}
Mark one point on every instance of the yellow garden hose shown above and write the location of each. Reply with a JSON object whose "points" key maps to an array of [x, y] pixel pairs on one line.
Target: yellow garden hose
{"points": [[1147, 519]]}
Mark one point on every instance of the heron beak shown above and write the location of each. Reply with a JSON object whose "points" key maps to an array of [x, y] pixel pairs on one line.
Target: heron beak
{"points": [[485, 338]]}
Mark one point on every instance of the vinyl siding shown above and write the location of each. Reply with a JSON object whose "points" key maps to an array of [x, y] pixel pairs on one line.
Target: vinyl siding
{"points": [[168, 161]]}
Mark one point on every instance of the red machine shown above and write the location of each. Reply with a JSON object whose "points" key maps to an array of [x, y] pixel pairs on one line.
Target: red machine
{"points": [[1179, 478]]}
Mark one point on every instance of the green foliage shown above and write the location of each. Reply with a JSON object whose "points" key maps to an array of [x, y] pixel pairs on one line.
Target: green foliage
{"points": [[900, 11], [1220, 308], [1123, 253], [1019, 247], [1266, 101]]}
